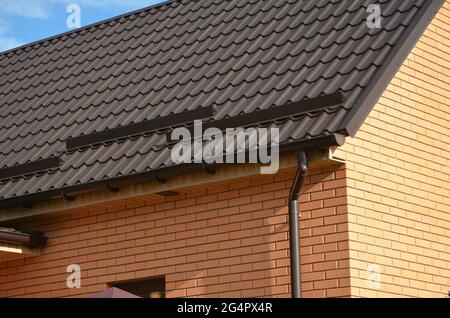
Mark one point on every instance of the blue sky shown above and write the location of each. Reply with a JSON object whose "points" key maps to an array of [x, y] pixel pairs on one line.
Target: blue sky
{"points": [[26, 21]]}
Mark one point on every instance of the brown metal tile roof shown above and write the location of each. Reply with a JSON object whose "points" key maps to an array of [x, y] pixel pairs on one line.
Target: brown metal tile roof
{"points": [[238, 55]]}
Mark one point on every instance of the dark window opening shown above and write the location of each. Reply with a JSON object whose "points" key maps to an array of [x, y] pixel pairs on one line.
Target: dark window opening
{"points": [[145, 288]]}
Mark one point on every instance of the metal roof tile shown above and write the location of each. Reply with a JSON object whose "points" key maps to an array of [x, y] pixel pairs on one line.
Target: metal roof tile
{"points": [[242, 55]]}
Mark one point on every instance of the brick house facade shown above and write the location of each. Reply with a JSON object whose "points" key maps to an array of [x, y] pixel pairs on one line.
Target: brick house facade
{"points": [[227, 239], [379, 206]]}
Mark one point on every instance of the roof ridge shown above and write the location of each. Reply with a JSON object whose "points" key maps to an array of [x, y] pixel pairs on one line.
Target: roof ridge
{"points": [[86, 27]]}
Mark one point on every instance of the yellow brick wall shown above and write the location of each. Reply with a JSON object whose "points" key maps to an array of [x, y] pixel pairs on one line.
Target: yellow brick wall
{"points": [[398, 178]]}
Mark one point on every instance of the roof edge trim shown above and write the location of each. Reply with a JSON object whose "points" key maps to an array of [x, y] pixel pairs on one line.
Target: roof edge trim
{"points": [[393, 62]]}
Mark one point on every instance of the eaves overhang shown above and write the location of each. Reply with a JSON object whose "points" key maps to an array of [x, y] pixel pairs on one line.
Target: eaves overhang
{"points": [[31, 239], [160, 175]]}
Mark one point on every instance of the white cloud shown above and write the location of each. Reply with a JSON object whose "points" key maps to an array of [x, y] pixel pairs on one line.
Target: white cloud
{"points": [[24, 8], [42, 8], [112, 3], [7, 42], [130, 4]]}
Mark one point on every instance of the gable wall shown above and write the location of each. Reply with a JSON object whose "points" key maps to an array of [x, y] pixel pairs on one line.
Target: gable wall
{"points": [[398, 178]]}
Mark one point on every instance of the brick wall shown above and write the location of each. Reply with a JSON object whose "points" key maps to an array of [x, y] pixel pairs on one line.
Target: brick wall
{"points": [[223, 239], [398, 178]]}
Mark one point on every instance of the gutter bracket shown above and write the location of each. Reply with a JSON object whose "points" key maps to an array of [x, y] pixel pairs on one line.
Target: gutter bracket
{"points": [[68, 197], [209, 169], [159, 179], [112, 188], [27, 205]]}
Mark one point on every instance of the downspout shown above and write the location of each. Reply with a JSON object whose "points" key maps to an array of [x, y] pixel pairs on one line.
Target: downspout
{"points": [[294, 223]]}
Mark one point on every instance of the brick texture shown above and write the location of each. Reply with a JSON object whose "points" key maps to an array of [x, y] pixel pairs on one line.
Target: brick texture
{"points": [[387, 209], [220, 240], [398, 178]]}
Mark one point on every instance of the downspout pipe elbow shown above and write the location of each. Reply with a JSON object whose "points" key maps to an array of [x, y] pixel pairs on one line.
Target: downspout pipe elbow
{"points": [[299, 179]]}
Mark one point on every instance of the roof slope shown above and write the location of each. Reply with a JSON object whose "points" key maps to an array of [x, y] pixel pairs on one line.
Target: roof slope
{"points": [[239, 55]]}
